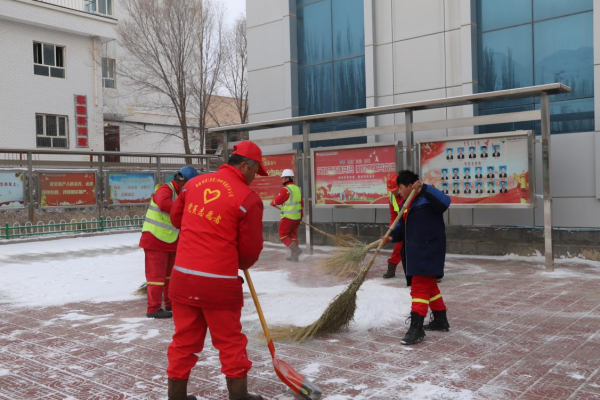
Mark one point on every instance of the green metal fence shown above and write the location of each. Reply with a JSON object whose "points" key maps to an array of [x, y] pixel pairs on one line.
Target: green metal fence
{"points": [[63, 227]]}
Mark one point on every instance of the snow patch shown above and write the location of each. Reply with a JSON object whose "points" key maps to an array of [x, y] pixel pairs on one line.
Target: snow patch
{"points": [[429, 391], [151, 334], [279, 297], [4, 372], [337, 380], [311, 369], [475, 366], [575, 375]]}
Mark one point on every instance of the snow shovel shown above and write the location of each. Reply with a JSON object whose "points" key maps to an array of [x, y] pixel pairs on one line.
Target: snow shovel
{"points": [[298, 383]]}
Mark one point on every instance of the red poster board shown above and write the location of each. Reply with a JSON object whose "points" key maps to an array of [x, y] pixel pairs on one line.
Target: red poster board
{"points": [[71, 189], [268, 187], [353, 175]]}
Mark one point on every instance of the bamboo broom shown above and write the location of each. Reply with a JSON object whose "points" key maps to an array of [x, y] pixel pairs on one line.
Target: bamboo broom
{"points": [[340, 311], [343, 240]]}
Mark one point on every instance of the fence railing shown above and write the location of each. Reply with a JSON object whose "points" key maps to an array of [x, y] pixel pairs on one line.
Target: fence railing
{"points": [[63, 227]]}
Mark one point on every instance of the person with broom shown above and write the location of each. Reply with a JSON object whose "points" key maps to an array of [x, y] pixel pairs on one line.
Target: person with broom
{"points": [[290, 200], [159, 241], [423, 231], [220, 219], [395, 200]]}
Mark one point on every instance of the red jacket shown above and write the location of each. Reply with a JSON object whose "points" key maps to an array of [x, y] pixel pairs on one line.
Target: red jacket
{"points": [[283, 196], [220, 219], [163, 198]]}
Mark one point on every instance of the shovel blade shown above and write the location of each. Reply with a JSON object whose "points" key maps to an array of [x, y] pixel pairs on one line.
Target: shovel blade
{"points": [[295, 381]]}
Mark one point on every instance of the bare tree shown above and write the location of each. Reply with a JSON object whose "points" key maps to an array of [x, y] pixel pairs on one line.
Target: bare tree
{"points": [[209, 61], [235, 71], [174, 56]]}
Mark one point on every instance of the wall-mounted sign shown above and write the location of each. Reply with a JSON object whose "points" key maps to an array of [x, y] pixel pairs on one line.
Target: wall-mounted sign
{"points": [[481, 170], [130, 188], [81, 120], [12, 192], [70, 189], [352, 175], [268, 187]]}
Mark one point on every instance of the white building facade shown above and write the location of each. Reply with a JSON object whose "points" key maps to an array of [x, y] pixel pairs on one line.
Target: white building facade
{"points": [[51, 93], [316, 56]]}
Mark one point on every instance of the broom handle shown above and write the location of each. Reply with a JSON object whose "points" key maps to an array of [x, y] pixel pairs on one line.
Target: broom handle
{"points": [[391, 228], [258, 308], [312, 227]]}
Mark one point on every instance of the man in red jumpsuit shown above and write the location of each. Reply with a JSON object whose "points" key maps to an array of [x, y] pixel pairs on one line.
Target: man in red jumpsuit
{"points": [[290, 201], [396, 200], [159, 241], [220, 219]]}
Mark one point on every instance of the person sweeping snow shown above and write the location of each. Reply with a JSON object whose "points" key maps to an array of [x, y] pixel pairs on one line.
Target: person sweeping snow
{"points": [[423, 231], [395, 200], [290, 200], [220, 219], [159, 241]]}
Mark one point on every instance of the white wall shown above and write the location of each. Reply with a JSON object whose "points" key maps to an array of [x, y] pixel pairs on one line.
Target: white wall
{"points": [[272, 64], [23, 94]]}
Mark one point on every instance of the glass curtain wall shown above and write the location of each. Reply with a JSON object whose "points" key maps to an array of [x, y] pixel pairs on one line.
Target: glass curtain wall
{"points": [[532, 42], [331, 63]]}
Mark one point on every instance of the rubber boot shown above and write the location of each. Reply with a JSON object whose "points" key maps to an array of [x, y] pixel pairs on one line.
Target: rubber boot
{"points": [[391, 272], [438, 323], [415, 333], [160, 314], [238, 389], [294, 252], [178, 390]]}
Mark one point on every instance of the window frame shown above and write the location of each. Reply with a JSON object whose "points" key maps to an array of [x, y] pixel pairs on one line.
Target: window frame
{"points": [[45, 130], [94, 7], [113, 70], [49, 67]]}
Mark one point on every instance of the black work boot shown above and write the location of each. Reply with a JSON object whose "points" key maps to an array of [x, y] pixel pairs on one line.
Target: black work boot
{"points": [[415, 333], [238, 389], [160, 314], [178, 390], [438, 323], [391, 272]]}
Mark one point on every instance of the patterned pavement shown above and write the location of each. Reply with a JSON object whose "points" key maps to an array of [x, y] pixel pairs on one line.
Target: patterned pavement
{"points": [[517, 333]]}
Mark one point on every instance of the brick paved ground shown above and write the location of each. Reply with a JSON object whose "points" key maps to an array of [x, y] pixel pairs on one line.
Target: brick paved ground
{"points": [[517, 333]]}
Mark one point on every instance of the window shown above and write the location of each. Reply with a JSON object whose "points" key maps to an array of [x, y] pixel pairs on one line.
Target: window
{"points": [[108, 73], [52, 131], [331, 63], [48, 60], [100, 6], [533, 42]]}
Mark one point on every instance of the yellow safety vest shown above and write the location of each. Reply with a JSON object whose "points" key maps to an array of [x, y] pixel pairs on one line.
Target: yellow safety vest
{"points": [[292, 208], [394, 202], [159, 223]]}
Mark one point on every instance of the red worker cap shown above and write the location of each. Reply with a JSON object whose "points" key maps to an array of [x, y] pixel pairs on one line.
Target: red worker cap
{"points": [[391, 182], [252, 151]]}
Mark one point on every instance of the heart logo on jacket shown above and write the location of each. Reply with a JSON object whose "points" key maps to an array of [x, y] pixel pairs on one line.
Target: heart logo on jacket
{"points": [[211, 195]]}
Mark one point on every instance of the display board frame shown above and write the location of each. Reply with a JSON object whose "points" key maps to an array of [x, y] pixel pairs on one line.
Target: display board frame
{"points": [[398, 152], [530, 162]]}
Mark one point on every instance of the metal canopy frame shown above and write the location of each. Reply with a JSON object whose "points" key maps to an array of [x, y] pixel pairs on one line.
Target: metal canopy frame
{"points": [[543, 115]]}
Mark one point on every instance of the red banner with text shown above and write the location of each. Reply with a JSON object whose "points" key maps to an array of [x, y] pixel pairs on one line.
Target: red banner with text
{"points": [[268, 187], [72, 189], [353, 176]]}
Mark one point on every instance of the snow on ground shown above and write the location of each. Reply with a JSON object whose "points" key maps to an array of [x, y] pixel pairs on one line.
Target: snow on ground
{"points": [[97, 269], [111, 268], [285, 303]]}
